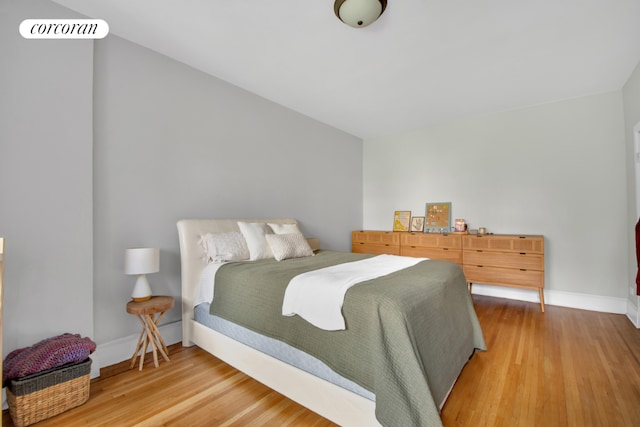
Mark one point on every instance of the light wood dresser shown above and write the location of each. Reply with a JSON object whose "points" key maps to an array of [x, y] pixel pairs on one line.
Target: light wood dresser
{"points": [[506, 260], [493, 259]]}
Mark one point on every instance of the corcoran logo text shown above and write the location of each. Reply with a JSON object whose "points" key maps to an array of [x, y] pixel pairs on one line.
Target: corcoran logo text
{"points": [[64, 28]]}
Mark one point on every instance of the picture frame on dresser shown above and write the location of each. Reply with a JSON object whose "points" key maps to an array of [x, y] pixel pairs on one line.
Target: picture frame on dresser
{"points": [[401, 220], [417, 223], [437, 217]]}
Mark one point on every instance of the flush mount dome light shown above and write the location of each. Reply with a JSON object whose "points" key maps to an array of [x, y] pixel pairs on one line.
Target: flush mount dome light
{"points": [[359, 13]]}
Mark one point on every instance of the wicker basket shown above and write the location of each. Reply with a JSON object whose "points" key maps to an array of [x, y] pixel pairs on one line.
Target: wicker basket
{"points": [[45, 394]]}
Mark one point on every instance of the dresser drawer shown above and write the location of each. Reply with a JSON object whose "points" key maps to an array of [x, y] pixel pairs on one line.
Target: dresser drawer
{"points": [[451, 241], [505, 243], [376, 237], [442, 254], [504, 276], [518, 260], [376, 249]]}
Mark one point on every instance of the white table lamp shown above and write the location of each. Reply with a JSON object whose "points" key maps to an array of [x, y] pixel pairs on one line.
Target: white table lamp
{"points": [[141, 261]]}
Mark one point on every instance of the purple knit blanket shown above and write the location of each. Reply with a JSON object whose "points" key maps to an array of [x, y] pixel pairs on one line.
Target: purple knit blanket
{"points": [[47, 354]]}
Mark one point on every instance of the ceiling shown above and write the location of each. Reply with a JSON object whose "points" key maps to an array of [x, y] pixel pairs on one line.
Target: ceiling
{"points": [[422, 62]]}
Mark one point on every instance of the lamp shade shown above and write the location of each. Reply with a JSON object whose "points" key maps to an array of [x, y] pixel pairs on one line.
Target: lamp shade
{"points": [[359, 13], [142, 260]]}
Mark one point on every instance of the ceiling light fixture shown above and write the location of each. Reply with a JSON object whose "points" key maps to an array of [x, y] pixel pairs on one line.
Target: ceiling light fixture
{"points": [[359, 13]]}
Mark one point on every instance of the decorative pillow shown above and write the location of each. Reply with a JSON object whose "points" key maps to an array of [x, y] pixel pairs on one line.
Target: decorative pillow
{"points": [[285, 228], [289, 245], [254, 233], [221, 247]]}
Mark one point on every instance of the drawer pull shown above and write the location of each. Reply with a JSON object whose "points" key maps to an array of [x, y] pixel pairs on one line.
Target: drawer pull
{"points": [[479, 250], [523, 237], [480, 266], [523, 253], [445, 249], [413, 247], [523, 269]]}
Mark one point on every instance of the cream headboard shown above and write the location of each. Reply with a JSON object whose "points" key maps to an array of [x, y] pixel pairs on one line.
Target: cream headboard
{"points": [[192, 260]]}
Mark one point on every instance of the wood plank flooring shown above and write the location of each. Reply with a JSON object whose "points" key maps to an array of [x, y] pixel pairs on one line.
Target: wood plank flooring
{"points": [[564, 367]]}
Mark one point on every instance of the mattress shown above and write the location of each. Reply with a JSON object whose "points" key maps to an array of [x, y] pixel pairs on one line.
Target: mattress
{"points": [[277, 349]]}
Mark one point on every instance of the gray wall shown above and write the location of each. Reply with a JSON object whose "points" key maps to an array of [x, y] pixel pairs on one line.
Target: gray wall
{"points": [[45, 179], [172, 142], [631, 97], [556, 169], [99, 156]]}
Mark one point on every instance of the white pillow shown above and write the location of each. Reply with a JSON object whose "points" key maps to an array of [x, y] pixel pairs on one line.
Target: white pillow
{"points": [[285, 228], [254, 233], [221, 247], [289, 245]]}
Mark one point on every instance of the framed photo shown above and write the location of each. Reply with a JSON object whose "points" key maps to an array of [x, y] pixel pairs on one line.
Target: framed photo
{"points": [[438, 218], [417, 223], [401, 220]]}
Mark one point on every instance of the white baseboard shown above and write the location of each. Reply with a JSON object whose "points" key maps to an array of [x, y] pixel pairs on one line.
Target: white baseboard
{"points": [[559, 298], [633, 313], [119, 350]]}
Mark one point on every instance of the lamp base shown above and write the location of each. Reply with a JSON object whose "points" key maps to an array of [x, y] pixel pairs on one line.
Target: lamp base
{"points": [[141, 290], [140, 299]]}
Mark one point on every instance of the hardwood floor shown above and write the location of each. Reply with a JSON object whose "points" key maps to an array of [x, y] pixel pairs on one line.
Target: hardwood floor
{"points": [[564, 367]]}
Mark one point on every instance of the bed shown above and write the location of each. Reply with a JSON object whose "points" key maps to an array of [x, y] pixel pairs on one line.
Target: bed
{"points": [[377, 371]]}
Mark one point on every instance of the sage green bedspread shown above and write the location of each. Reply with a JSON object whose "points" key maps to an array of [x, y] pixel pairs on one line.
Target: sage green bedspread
{"points": [[408, 334]]}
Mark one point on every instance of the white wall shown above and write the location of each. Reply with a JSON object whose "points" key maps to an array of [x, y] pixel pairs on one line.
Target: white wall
{"points": [[631, 97], [45, 179], [172, 142], [556, 169]]}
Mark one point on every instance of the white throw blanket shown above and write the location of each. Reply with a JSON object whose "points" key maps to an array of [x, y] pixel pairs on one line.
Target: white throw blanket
{"points": [[317, 296], [204, 293]]}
